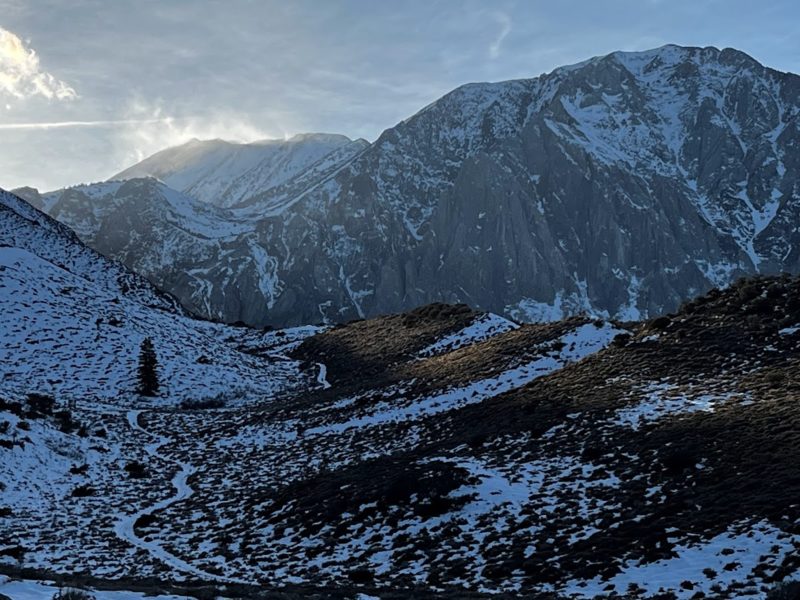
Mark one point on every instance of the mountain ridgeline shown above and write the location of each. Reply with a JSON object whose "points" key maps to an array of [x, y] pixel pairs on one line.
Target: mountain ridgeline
{"points": [[618, 187]]}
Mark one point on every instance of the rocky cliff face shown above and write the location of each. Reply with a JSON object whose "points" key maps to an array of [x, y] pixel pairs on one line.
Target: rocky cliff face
{"points": [[619, 186]]}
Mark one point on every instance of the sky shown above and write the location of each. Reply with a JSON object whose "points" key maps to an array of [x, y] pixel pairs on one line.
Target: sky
{"points": [[89, 87]]}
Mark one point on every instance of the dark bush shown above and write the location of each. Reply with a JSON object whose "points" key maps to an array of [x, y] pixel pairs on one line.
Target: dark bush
{"points": [[434, 506], [749, 290], [361, 575], [788, 590], [760, 306], [775, 377], [660, 323], [15, 552], [621, 340], [477, 440], [204, 404], [83, 491], [679, 459], [15, 408], [65, 422], [136, 470], [145, 521], [72, 594], [40, 404]]}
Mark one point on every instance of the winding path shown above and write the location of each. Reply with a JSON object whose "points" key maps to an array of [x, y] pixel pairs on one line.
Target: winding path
{"points": [[322, 376], [124, 528]]}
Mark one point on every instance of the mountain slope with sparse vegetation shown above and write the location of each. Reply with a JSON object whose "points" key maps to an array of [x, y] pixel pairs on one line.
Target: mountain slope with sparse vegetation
{"points": [[442, 453]]}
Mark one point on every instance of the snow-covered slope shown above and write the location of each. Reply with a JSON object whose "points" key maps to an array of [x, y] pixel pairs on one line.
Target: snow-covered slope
{"points": [[73, 323], [541, 461], [226, 173], [619, 186]]}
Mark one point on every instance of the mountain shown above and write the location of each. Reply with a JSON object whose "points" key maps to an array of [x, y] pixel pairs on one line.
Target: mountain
{"points": [[226, 173], [444, 453], [619, 187], [74, 322]]}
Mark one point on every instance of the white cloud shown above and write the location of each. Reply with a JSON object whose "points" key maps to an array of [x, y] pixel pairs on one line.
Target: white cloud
{"points": [[21, 75], [505, 28], [155, 130]]}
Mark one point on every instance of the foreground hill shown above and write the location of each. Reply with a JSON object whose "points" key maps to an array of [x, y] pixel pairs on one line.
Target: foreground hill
{"points": [[619, 187], [73, 323], [444, 453]]}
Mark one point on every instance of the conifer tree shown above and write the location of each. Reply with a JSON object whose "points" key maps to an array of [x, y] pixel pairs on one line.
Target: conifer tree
{"points": [[148, 369]]}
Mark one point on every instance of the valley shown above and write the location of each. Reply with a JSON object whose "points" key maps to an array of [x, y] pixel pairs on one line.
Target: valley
{"points": [[439, 449], [538, 340]]}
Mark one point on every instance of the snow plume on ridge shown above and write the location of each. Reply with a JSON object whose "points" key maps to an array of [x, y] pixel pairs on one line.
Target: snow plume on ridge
{"points": [[21, 75], [165, 130]]}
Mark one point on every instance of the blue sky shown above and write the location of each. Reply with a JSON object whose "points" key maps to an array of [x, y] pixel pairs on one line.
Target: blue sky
{"points": [[123, 79]]}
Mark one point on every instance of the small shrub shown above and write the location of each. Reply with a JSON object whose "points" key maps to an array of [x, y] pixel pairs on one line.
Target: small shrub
{"points": [[15, 552], [24, 426], [15, 408], [203, 404], [788, 590], [760, 306], [748, 290], [136, 470], [145, 521], [40, 404], [621, 340], [82, 491], [65, 422], [360, 575], [72, 594], [434, 506], [79, 469], [660, 323], [477, 440], [679, 460], [775, 377]]}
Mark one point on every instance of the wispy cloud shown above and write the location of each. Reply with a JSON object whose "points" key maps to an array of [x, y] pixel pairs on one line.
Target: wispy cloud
{"points": [[21, 74], [148, 127], [64, 124], [505, 28]]}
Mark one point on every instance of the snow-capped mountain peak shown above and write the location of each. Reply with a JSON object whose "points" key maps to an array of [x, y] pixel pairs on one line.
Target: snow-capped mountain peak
{"points": [[618, 186], [226, 173]]}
